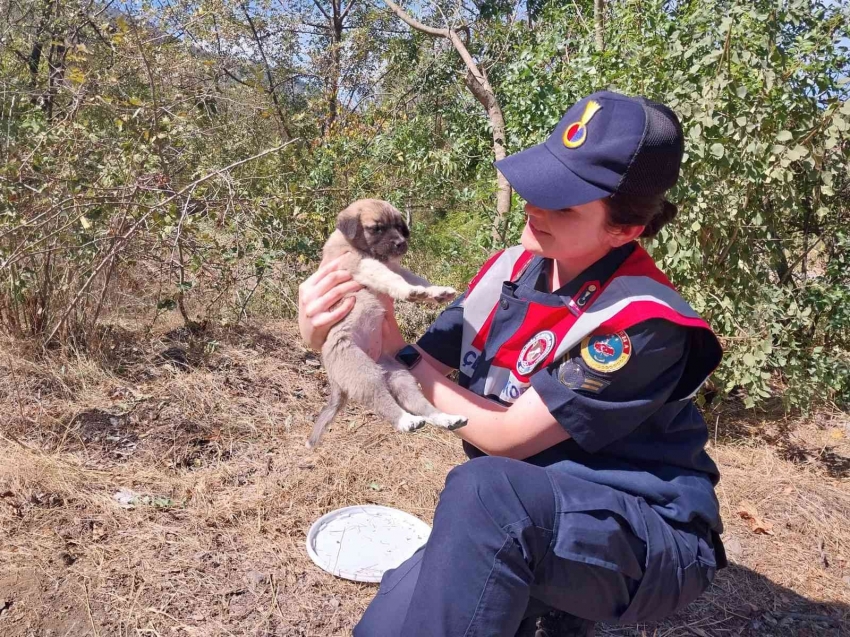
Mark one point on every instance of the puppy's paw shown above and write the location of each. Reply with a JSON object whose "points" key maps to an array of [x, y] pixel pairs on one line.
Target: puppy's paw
{"points": [[409, 422], [448, 421], [441, 294], [419, 294]]}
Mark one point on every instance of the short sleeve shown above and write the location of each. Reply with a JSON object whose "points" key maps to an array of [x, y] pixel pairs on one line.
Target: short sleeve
{"points": [[597, 402], [444, 338]]}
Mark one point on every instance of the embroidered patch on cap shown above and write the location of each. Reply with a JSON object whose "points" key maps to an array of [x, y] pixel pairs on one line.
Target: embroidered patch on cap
{"points": [[534, 351], [573, 376], [606, 352], [576, 133]]}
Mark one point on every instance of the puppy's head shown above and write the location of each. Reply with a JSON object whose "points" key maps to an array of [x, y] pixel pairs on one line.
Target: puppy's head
{"points": [[374, 228]]}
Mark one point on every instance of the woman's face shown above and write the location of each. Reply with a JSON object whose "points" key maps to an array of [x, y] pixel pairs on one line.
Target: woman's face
{"points": [[578, 235]]}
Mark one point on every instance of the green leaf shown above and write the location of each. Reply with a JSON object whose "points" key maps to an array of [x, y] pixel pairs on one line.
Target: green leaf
{"points": [[784, 136], [749, 360], [717, 150]]}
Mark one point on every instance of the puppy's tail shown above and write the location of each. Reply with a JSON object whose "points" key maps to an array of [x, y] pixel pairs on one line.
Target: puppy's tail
{"points": [[326, 416]]}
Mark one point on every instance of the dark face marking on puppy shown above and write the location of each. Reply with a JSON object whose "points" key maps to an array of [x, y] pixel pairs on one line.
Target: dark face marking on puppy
{"points": [[375, 228]]}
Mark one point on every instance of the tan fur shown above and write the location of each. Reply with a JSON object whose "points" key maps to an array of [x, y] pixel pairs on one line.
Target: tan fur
{"points": [[353, 344]]}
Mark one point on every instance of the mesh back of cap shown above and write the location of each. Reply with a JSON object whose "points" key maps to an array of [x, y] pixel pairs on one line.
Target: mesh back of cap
{"points": [[655, 166]]}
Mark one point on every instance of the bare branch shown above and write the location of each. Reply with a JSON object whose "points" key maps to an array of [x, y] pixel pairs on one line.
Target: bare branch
{"points": [[347, 9], [268, 69], [440, 33], [320, 8]]}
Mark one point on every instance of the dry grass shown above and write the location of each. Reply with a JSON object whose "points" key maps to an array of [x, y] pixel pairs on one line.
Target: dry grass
{"points": [[212, 428]]}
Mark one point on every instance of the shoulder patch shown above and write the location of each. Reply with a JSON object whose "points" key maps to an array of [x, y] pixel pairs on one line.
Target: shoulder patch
{"points": [[535, 351], [606, 352]]}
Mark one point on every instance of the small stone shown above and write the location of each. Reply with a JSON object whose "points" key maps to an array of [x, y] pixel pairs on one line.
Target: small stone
{"points": [[257, 578], [733, 548]]}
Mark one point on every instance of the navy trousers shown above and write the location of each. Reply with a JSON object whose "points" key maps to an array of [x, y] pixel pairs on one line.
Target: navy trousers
{"points": [[511, 540]]}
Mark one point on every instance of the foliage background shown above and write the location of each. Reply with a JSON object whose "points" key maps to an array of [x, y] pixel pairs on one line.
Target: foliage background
{"points": [[117, 121]]}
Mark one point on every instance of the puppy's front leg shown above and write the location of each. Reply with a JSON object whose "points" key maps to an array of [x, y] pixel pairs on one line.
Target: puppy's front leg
{"points": [[407, 275], [378, 277], [436, 293]]}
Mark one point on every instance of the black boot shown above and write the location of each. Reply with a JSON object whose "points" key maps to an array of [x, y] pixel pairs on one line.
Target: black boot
{"points": [[556, 624]]}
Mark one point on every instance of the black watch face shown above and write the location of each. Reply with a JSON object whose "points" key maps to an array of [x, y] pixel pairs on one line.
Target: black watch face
{"points": [[408, 356]]}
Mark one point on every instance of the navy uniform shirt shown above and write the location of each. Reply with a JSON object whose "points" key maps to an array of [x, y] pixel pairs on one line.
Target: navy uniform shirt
{"points": [[625, 431]]}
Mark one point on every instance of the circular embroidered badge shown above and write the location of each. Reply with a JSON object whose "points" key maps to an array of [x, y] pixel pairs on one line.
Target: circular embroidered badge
{"points": [[575, 134], [606, 352], [534, 351]]}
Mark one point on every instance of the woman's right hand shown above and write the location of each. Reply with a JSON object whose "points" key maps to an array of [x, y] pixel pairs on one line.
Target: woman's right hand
{"points": [[316, 298]]}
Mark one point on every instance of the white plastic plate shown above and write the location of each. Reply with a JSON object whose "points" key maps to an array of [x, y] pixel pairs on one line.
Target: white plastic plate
{"points": [[361, 543]]}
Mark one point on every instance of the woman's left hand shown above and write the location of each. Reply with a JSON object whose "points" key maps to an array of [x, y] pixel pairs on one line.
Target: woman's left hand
{"points": [[392, 340]]}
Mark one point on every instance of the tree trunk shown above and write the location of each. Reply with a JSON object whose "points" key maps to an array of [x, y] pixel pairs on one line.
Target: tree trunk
{"points": [[479, 86], [488, 100], [55, 75], [599, 23], [336, 24], [34, 60]]}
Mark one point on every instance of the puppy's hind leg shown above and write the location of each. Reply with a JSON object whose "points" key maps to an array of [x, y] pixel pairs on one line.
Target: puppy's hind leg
{"points": [[407, 392], [365, 382], [335, 404]]}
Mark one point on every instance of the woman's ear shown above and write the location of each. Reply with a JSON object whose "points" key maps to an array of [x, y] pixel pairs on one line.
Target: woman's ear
{"points": [[621, 235]]}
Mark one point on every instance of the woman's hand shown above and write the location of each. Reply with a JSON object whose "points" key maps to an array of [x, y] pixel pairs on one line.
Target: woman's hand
{"points": [[391, 339], [316, 298]]}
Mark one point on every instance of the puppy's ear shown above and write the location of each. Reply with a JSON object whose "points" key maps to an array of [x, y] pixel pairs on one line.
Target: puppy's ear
{"points": [[348, 226]]}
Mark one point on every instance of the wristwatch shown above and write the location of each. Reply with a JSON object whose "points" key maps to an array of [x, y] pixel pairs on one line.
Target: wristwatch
{"points": [[408, 356]]}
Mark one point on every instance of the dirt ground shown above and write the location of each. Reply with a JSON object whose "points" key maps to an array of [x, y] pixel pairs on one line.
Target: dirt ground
{"points": [[209, 432]]}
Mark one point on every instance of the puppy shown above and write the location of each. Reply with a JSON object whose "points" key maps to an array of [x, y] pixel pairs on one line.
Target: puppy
{"points": [[373, 237]]}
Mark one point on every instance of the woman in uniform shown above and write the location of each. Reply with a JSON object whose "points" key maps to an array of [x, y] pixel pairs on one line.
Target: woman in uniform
{"points": [[588, 495]]}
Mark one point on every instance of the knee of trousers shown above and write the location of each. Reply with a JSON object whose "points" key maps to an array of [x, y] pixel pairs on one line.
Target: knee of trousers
{"points": [[503, 495]]}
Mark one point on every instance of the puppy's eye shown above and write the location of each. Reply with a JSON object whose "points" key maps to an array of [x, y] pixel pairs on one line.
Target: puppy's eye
{"points": [[404, 231], [375, 229]]}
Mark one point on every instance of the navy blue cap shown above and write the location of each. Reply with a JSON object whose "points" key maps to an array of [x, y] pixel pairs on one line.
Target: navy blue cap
{"points": [[605, 144]]}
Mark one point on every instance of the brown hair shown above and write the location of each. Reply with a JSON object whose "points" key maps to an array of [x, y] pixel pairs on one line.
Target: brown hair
{"points": [[653, 212]]}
